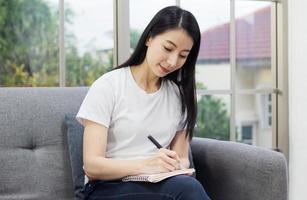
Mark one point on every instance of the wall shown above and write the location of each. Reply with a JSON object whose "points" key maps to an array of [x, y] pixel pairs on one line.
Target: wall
{"points": [[297, 16]]}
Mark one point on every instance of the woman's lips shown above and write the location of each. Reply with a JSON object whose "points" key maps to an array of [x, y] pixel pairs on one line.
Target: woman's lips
{"points": [[164, 69]]}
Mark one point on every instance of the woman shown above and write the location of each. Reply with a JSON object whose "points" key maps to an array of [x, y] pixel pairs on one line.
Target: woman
{"points": [[152, 93]]}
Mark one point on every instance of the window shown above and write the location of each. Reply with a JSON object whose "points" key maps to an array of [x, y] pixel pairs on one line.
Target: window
{"points": [[247, 134], [213, 116], [253, 44], [250, 110], [213, 65], [237, 58], [29, 43], [240, 73], [31, 53], [141, 12], [213, 71], [88, 40]]}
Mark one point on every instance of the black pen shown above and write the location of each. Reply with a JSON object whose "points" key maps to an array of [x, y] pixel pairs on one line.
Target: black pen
{"points": [[154, 141], [159, 146]]}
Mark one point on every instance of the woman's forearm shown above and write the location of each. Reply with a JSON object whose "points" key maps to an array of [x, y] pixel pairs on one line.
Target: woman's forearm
{"points": [[111, 169]]}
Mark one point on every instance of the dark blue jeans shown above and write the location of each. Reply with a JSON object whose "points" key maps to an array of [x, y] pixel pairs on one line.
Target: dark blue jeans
{"points": [[180, 187]]}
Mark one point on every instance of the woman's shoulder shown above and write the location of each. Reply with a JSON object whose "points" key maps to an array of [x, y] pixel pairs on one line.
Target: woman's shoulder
{"points": [[111, 77]]}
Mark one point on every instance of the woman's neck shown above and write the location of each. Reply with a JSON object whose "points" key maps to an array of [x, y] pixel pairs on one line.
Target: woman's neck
{"points": [[145, 78]]}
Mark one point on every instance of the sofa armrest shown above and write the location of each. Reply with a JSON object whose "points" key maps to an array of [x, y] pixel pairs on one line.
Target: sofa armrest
{"points": [[230, 170]]}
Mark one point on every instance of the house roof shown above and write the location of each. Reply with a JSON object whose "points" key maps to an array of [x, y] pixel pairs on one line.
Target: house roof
{"points": [[253, 38]]}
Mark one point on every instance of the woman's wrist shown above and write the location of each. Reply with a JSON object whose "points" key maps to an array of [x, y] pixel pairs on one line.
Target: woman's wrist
{"points": [[185, 163], [137, 167]]}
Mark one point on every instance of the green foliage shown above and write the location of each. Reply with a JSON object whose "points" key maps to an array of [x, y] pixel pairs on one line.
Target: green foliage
{"points": [[83, 70], [28, 30], [134, 38], [29, 54], [212, 119], [19, 78], [200, 85]]}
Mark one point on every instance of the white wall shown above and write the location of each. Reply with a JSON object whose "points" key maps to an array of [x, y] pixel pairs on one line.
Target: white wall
{"points": [[297, 98]]}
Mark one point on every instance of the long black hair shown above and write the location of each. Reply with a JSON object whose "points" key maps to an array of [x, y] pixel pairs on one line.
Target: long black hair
{"points": [[170, 18]]}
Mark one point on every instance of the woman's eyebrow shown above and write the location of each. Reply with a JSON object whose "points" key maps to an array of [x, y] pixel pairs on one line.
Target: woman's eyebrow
{"points": [[176, 45], [171, 43]]}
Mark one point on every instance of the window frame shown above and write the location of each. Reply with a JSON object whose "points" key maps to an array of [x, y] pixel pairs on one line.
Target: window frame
{"points": [[279, 66]]}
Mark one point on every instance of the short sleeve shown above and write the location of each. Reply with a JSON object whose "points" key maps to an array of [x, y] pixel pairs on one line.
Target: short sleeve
{"points": [[98, 103], [182, 125]]}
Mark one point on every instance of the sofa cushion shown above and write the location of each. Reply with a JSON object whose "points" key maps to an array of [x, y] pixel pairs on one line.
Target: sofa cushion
{"points": [[34, 157], [75, 146]]}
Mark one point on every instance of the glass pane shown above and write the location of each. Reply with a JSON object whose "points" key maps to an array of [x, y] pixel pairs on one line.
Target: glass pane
{"points": [[254, 119], [88, 40], [253, 45], [213, 117], [213, 66], [141, 12], [29, 43]]}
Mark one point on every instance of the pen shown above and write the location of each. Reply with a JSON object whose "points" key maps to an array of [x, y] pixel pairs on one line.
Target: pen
{"points": [[154, 141], [158, 145]]}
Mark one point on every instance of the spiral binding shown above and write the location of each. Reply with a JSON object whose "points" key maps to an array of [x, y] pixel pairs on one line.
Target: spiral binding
{"points": [[136, 178], [157, 177]]}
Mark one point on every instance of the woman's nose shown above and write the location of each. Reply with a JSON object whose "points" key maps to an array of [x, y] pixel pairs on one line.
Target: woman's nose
{"points": [[172, 61]]}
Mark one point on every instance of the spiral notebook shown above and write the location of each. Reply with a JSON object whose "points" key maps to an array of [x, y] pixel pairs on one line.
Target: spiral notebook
{"points": [[154, 178]]}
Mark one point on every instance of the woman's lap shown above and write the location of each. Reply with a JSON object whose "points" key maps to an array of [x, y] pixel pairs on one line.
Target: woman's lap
{"points": [[175, 188]]}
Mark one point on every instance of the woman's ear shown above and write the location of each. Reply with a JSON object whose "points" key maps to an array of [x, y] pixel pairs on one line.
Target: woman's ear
{"points": [[148, 41]]}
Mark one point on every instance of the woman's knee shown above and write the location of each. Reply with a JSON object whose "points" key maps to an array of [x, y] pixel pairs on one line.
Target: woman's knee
{"points": [[190, 188], [187, 182]]}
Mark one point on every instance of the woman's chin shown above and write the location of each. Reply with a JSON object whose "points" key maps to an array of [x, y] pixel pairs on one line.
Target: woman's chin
{"points": [[161, 74]]}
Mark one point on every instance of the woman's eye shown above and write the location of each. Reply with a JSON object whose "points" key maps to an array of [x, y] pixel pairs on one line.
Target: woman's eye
{"points": [[167, 49], [181, 56]]}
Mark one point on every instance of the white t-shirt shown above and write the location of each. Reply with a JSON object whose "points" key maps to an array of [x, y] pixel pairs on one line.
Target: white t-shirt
{"points": [[130, 114]]}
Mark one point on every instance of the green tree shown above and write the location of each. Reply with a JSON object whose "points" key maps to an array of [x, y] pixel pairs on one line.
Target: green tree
{"points": [[28, 43], [84, 70], [212, 119], [134, 37], [29, 47]]}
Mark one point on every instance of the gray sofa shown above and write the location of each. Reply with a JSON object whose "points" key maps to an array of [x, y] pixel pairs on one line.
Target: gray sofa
{"points": [[35, 164]]}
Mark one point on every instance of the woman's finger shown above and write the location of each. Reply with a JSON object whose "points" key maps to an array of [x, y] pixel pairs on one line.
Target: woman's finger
{"points": [[169, 160], [171, 154]]}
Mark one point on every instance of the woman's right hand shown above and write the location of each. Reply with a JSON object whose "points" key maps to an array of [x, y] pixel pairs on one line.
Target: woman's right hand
{"points": [[164, 161]]}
